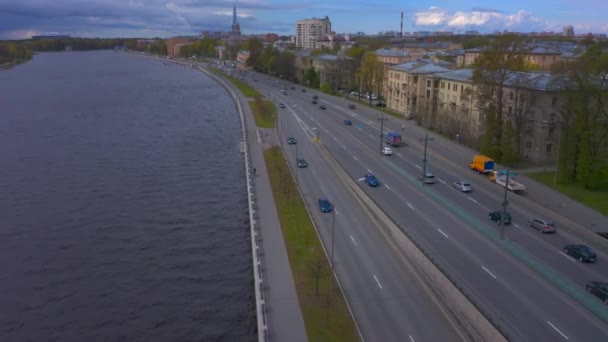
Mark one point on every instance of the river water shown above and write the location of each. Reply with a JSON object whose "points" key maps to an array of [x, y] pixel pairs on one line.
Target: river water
{"points": [[123, 207]]}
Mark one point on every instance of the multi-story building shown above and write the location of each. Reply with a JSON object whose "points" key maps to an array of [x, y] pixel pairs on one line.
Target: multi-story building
{"points": [[396, 56], [407, 89], [174, 44], [337, 71], [541, 57], [568, 31], [310, 31]]}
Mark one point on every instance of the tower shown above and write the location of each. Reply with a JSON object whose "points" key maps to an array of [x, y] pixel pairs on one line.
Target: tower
{"points": [[401, 31], [236, 28]]}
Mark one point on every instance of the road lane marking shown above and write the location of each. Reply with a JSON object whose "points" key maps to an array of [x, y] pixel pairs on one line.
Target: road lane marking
{"points": [[409, 205], [418, 166], [335, 139], [399, 154], [442, 233], [515, 224], [344, 147], [377, 281], [387, 186], [353, 239], [567, 256], [326, 131], [472, 199], [554, 327], [336, 210], [412, 339], [490, 273], [442, 181], [369, 171], [355, 157]]}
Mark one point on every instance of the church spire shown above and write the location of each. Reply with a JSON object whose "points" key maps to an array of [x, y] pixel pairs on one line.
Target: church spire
{"points": [[234, 15]]}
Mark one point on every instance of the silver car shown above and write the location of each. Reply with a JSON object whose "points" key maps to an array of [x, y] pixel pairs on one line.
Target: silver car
{"points": [[542, 225], [428, 178], [463, 186]]}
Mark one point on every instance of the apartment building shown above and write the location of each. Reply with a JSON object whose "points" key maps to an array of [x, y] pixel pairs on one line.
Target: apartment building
{"points": [[407, 90], [541, 57], [174, 44], [310, 31]]}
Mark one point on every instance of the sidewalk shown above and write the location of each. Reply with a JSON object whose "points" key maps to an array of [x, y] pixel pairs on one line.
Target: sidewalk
{"points": [[284, 316]]}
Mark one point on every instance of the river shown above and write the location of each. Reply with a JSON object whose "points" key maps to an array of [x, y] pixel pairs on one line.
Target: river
{"points": [[123, 206]]}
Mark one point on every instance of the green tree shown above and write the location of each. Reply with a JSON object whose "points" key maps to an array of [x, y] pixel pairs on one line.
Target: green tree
{"points": [[311, 78]]}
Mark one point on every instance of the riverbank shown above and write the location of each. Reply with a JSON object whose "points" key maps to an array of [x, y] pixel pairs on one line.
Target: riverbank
{"points": [[13, 64]]}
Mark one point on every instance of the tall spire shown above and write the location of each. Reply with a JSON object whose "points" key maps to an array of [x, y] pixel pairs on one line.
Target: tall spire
{"points": [[234, 15]]}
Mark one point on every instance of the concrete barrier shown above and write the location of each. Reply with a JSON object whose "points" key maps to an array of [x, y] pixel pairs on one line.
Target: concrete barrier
{"points": [[468, 320]]}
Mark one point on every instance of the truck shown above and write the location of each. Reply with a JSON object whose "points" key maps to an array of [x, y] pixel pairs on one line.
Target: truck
{"points": [[513, 185], [482, 164], [393, 138]]}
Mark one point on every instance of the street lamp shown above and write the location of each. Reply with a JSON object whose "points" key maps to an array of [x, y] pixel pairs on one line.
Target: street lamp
{"points": [[381, 129], [333, 219], [424, 159], [551, 125]]}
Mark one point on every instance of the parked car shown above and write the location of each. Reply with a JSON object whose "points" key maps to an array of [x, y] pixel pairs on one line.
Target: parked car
{"points": [[314, 101], [542, 225], [282, 105], [380, 104], [428, 178], [581, 252], [291, 141], [598, 289], [499, 216], [463, 186], [325, 205], [348, 122], [284, 92], [351, 106], [322, 107], [315, 97], [387, 151], [302, 163], [371, 180]]}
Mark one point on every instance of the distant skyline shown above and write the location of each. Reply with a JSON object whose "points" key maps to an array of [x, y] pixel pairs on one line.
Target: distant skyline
{"points": [[20, 19]]}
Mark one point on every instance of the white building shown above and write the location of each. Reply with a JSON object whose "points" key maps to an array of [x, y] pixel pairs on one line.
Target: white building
{"points": [[310, 31]]}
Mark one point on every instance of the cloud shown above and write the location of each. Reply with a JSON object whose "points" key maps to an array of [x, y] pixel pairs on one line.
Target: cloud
{"points": [[484, 19]]}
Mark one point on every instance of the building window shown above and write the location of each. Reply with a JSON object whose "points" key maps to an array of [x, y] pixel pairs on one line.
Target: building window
{"points": [[510, 110], [448, 86], [549, 148], [428, 84], [462, 89], [554, 101], [442, 85], [436, 84], [533, 100], [552, 117], [528, 145], [510, 95]]}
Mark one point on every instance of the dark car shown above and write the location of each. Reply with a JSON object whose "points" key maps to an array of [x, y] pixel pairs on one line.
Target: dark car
{"points": [[303, 90], [351, 106], [542, 225], [293, 88], [371, 180], [497, 216], [581, 252], [282, 105], [315, 97], [314, 102], [598, 289], [302, 163], [291, 141], [348, 122], [284, 92], [325, 205], [322, 107], [380, 104]]}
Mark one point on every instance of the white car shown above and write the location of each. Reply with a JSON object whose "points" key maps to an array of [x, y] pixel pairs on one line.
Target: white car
{"points": [[387, 151]]}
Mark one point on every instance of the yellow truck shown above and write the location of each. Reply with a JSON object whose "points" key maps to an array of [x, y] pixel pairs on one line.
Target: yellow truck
{"points": [[482, 164]]}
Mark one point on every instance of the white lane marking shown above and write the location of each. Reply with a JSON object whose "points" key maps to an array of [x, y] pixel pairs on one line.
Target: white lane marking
{"points": [[369, 171], [554, 327], [515, 224], [490, 273], [567, 256], [409, 205], [442, 181], [418, 167], [294, 106], [326, 131], [442, 233], [355, 157], [399, 154], [336, 210], [469, 197], [371, 136], [377, 281], [387, 186], [412, 339], [353, 239], [313, 172], [344, 147], [335, 139]]}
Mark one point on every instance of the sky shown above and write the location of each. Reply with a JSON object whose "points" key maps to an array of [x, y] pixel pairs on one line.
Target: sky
{"points": [[20, 19]]}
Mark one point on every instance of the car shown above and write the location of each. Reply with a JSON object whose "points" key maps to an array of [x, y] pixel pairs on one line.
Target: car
{"points": [[387, 151], [314, 101], [354, 93], [291, 141], [428, 178], [463, 186], [322, 107], [351, 106], [371, 180], [293, 88], [542, 225], [315, 97], [499, 216], [284, 92], [302, 163], [380, 104], [598, 289], [303, 90], [348, 122], [282, 105], [325, 205], [580, 252]]}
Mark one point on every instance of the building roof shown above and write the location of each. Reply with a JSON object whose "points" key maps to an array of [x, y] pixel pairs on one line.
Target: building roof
{"points": [[421, 66], [392, 53], [331, 58], [462, 75]]}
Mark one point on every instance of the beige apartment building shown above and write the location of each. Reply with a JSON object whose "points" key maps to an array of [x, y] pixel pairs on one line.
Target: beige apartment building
{"points": [[541, 57], [310, 31]]}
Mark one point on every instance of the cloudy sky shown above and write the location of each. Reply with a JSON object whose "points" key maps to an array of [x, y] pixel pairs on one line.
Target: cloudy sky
{"points": [[161, 18]]}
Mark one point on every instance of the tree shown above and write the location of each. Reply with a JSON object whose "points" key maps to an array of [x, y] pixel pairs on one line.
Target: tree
{"points": [[493, 69], [311, 78], [319, 270], [371, 76], [256, 50]]}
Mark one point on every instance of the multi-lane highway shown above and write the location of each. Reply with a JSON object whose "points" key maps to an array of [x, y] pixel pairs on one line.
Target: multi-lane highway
{"points": [[524, 282]]}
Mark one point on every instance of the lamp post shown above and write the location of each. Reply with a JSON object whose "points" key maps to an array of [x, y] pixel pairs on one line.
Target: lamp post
{"points": [[505, 201], [333, 219], [550, 125], [424, 159], [381, 129]]}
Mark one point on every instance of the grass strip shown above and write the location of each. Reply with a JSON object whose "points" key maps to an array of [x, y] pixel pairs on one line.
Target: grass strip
{"points": [[245, 88], [264, 112], [325, 312], [597, 200]]}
